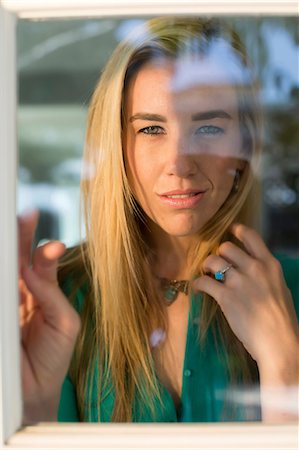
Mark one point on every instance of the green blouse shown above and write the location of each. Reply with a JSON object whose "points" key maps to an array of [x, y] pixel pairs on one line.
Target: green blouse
{"points": [[207, 395]]}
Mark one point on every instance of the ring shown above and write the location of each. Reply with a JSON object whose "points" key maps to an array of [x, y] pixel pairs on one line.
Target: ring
{"points": [[220, 275]]}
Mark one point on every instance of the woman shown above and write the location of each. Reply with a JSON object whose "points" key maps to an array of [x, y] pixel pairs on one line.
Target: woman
{"points": [[179, 305]]}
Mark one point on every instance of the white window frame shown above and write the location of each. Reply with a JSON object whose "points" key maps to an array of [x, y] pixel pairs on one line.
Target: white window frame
{"points": [[59, 435]]}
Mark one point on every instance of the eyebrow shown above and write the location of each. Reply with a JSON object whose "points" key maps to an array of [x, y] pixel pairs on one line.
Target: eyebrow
{"points": [[205, 115], [148, 116], [213, 114]]}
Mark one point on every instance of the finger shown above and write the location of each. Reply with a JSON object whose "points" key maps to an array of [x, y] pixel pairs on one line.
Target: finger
{"points": [[213, 264], [56, 309], [26, 302], [252, 241], [45, 260], [26, 226], [235, 256], [211, 287]]}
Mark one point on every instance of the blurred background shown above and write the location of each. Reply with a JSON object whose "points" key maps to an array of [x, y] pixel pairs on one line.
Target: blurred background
{"points": [[59, 62]]}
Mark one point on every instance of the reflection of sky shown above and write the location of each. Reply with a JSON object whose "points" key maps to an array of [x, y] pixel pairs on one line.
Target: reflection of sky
{"points": [[283, 64], [126, 27], [65, 39], [220, 65], [281, 72]]}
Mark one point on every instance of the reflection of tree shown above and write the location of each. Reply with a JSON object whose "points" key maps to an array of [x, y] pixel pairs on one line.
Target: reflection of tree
{"points": [[253, 32], [281, 178], [285, 130], [281, 145]]}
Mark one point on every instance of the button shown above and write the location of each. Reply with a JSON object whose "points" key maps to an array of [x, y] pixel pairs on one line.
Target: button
{"points": [[187, 373]]}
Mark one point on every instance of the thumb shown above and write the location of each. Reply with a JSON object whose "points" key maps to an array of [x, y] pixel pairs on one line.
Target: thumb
{"points": [[45, 260], [56, 308]]}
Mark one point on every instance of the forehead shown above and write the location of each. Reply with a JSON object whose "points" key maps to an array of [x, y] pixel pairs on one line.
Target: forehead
{"points": [[163, 85]]}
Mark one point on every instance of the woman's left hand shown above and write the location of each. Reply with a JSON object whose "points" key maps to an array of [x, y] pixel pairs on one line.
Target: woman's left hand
{"points": [[256, 303]]}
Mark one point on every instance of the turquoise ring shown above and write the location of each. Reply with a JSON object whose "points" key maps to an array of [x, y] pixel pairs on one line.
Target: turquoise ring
{"points": [[220, 275]]}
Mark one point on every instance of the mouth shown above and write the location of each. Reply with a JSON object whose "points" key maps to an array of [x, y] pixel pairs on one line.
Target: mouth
{"points": [[181, 195], [182, 199]]}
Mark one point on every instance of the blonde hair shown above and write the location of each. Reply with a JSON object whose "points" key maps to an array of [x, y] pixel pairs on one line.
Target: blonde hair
{"points": [[121, 307]]}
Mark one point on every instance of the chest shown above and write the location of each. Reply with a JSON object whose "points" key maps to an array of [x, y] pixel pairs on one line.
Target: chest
{"points": [[170, 356]]}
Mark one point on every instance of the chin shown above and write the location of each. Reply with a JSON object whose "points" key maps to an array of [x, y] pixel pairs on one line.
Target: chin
{"points": [[182, 233], [183, 225], [182, 230]]}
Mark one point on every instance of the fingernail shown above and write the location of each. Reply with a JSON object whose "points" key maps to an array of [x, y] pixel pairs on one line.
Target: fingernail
{"points": [[43, 242]]}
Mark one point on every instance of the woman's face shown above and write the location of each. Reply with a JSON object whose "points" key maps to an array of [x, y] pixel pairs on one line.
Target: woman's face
{"points": [[182, 147]]}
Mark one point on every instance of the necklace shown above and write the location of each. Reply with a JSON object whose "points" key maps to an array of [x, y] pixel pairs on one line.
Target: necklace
{"points": [[171, 288]]}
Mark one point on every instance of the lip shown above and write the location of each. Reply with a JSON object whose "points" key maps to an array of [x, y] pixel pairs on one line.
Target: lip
{"points": [[185, 202]]}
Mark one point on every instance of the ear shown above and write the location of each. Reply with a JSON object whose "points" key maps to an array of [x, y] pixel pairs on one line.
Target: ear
{"points": [[241, 164], [236, 182]]}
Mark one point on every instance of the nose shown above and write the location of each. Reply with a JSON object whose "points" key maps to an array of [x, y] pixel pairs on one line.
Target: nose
{"points": [[180, 159]]}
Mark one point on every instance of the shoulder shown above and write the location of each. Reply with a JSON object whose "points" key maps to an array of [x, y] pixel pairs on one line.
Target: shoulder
{"points": [[73, 276]]}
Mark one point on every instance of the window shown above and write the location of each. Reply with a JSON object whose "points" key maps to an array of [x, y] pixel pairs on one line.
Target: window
{"points": [[278, 190]]}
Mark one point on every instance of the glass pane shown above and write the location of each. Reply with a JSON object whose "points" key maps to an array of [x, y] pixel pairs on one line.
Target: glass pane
{"points": [[59, 63]]}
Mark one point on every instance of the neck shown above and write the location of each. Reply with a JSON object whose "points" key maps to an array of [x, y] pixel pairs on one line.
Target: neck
{"points": [[171, 255]]}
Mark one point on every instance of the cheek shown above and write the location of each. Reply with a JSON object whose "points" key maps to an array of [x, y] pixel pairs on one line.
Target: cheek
{"points": [[225, 165], [129, 157], [139, 171], [220, 167], [224, 147]]}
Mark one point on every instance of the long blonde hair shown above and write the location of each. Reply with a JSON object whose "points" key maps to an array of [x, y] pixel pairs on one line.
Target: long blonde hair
{"points": [[121, 306]]}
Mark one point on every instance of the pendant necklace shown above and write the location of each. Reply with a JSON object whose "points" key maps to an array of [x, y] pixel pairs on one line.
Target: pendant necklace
{"points": [[171, 288]]}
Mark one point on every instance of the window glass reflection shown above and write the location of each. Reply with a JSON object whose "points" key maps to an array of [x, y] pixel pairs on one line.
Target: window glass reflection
{"points": [[58, 65], [170, 168]]}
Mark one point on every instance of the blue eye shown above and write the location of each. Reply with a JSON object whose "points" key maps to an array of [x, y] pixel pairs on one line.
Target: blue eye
{"points": [[153, 130], [209, 130]]}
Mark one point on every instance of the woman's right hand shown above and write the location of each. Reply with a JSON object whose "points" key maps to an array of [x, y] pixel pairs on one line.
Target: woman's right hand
{"points": [[49, 325]]}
